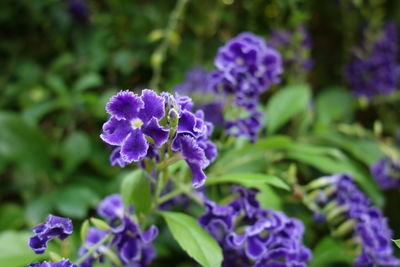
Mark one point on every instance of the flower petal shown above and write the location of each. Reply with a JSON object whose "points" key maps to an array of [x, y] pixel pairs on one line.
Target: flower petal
{"points": [[116, 158], [115, 131], [192, 152], [130, 250], [198, 176], [150, 234], [124, 105], [153, 106], [156, 132], [134, 147], [255, 248]]}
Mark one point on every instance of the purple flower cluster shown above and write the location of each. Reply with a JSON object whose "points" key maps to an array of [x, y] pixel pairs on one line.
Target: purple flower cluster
{"points": [[54, 227], [62, 263], [371, 229], [251, 236], [386, 173], [133, 246], [192, 138], [295, 47], [197, 86], [246, 67], [374, 69], [138, 128], [79, 10]]}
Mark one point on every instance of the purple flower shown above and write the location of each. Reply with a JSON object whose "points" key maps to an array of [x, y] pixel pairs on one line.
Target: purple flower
{"points": [[251, 236], [248, 64], [79, 10], [295, 47], [386, 173], [370, 229], [192, 138], [246, 67], [62, 263], [197, 86], [134, 247], [54, 227], [133, 120], [94, 235], [375, 71]]}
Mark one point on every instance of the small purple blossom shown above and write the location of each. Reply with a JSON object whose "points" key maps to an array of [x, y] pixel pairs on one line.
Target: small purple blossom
{"points": [[246, 67], [79, 10], [374, 69], [371, 228], [132, 120], [252, 236], [133, 246], [192, 138], [54, 227], [295, 47], [94, 235], [62, 263], [386, 173], [197, 86]]}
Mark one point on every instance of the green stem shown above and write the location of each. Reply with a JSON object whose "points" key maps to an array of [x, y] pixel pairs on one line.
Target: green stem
{"points": [[169, 196], [92, 249], [169, 161], [158, 57]]}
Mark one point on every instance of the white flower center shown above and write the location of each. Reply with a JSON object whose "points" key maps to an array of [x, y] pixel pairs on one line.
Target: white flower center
{"points": [[239, 61], [136, 123]]}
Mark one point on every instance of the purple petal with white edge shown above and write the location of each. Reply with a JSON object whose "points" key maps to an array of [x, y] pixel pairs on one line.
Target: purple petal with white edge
{"points": [[192, 152], [255, 248], [184, 102], [115, 131], [130, 250], [187, 123], [198, 176], [135, 146], [153, 106], [156, 132], [111, 207], [116, 158], [124, 105], [235, 240], [210, 150], [150, 235]]}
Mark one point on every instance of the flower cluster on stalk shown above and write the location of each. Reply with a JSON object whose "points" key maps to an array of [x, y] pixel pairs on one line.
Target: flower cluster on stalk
{"points": [[348, 210], [252, 236], [152, 126], [386, 173], [295, 47], [374, 69], [246, 67]]}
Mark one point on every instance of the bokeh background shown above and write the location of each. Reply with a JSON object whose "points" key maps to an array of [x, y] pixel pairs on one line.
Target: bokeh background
{"points": [[61, 60]]}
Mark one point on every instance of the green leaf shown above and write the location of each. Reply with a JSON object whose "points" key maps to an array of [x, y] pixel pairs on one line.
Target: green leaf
{"points": [[75, 149], [365, 150], [84, 230], [75, 201], [12, 216], [23, 143], [319, 158], [88, 81], [193, 239], [397, 242], [100, 224], [135, 189], [248, 179], [14, 249], [285, 104], [334, 105], [330, 251]]}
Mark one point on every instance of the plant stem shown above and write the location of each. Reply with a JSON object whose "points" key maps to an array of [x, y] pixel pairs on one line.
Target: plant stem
{"points": [[93, 249], [169, 196], [169, 161], [159, 55]]}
